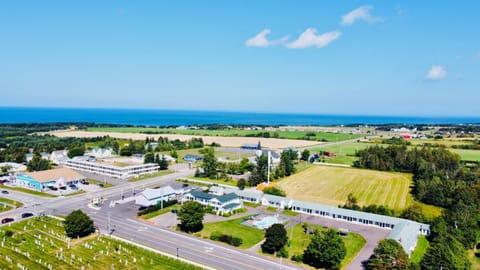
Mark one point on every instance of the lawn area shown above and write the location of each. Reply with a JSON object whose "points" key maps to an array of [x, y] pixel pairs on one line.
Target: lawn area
{"points": [[29, 191], [299, 135], [161, 211], [430, 211], [249, 235], [474, 259], [331, 185], [467, 154], [38, 242], [420, 250], [5, 207], [147, 176], [299, 242], [12, 202], [229, 182]]}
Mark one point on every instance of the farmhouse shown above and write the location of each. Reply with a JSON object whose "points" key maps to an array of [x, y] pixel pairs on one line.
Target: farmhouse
{"points": [[80, 163], [252, 146], [221, 204], [43, 179], [59, 157], [152, 196]]}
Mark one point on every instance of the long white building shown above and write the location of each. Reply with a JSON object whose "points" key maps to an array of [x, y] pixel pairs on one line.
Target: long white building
{"points": [[111, 170]]}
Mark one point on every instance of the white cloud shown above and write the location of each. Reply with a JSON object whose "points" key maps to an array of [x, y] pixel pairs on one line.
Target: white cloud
{"points": [[260, 40], [309, 38], [436, 73], [361, 13]]}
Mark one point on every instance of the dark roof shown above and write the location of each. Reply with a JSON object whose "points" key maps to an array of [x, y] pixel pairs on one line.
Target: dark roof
{"points": [[192, 157], [227, 197], [231, 205], [202, 195]]}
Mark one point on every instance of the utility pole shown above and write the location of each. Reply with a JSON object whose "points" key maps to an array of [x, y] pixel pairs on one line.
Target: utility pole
{"points": [[268, 167], [109, 226]]}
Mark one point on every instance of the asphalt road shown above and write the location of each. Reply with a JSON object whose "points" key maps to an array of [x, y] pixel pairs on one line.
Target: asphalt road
{"points": [[126, 226]]}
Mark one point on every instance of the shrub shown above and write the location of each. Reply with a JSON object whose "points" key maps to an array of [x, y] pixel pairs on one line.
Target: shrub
{"points": [[8, 233], [215, 235], [233, 241], [283, 252], [297, 258]]}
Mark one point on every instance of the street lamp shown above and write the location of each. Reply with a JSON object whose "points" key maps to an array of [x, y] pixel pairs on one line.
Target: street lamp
{"points": [[177, 252]]}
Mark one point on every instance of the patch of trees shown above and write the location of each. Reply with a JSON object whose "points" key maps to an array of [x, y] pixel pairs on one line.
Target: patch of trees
{"points": [[191, 217], [396, 141], [259, 172], [76, 150], [78, 224], [389, 254], [226, 238], [286, 167], [38, 163], [164, 144], [274, 191], [326, 250], [352, 204]]}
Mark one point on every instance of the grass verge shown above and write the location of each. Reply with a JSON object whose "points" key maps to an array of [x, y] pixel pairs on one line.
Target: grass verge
{"points": [[420, 250], [160, 212], [152, 175], [29, 191]]}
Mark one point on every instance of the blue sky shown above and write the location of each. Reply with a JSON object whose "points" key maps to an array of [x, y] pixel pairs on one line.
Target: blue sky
{"points": [[351, 57]]}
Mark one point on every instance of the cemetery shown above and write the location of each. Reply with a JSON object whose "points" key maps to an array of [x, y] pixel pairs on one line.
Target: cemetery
{"points": [[41, 243]]}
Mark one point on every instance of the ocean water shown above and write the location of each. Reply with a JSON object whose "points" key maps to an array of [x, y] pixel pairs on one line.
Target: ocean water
{"points": [[180, 117]]}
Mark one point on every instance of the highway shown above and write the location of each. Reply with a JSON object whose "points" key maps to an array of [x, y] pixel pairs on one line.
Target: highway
{"points": [[125, 225]]}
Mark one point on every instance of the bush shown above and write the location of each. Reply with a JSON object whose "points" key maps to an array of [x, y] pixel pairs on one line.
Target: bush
{"points": [[233, 241], [297, 258], [283, 252], [8, 233], [156, 207], [78, 224]]}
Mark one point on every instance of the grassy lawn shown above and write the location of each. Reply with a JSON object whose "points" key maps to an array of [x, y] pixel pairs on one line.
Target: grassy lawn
{"points": [[45, 241], [430, 211], [299, 242], [161, 211], [420, 250], [328, 136], [467, 154], [5, 207], [12, 202], [29, 191], [331, 185], [249, 235], [229, 182], [96, 182], [250, 204], [147, 176]]}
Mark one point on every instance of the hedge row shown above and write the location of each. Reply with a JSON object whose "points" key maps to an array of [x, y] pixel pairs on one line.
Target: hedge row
{"points": [[157, 207]]}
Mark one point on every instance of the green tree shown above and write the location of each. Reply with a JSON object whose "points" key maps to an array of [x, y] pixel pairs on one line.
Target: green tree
{"points": [[241, 183], [78, 224], [259, 173], [209, 164], [275, 238], [38, 163], [163, 163], [149, 157], [191, 216], [326, 250], [125, 151], [274, 191], [305, 155], [76, 151], [115, 147], [445, 252], [415, 213], [388, 254], [286, 166]]}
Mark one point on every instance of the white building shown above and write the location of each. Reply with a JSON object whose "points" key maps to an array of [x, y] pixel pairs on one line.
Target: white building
{"points": [[151, 196], [59, 157], [13, 167], [221, 204], [79, 163], [101, 152]]}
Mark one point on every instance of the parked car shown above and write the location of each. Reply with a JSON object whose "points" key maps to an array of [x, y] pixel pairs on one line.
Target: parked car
{"points": [[185, 185], [5, 192], [53, 188], [26, 215], [174, 211], [7, 220], [142, 208], [63, 188], [73, 187], [86, 183], [100, 185]]}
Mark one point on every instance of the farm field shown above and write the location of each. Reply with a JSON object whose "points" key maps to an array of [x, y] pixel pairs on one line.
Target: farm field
{"points": [[225, 141], [296, 135], [331, 185], [218, 154], [467, 154], [38, 243]]}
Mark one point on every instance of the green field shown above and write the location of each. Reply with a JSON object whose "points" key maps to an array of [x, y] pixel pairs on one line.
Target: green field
{"points": [[331, 185], [467, 154], [160, 211], [39, 242], [249, 235], [298, 135], [11, 202]]}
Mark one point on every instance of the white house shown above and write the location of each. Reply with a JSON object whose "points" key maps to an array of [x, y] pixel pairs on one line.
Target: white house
{"points": [[221, 204], [101, 152], [151, 196], [276, 201], [13, 167], [59, 157]]}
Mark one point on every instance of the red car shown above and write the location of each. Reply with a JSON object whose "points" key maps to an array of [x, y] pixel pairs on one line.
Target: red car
{"points": [[7, 220]]}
